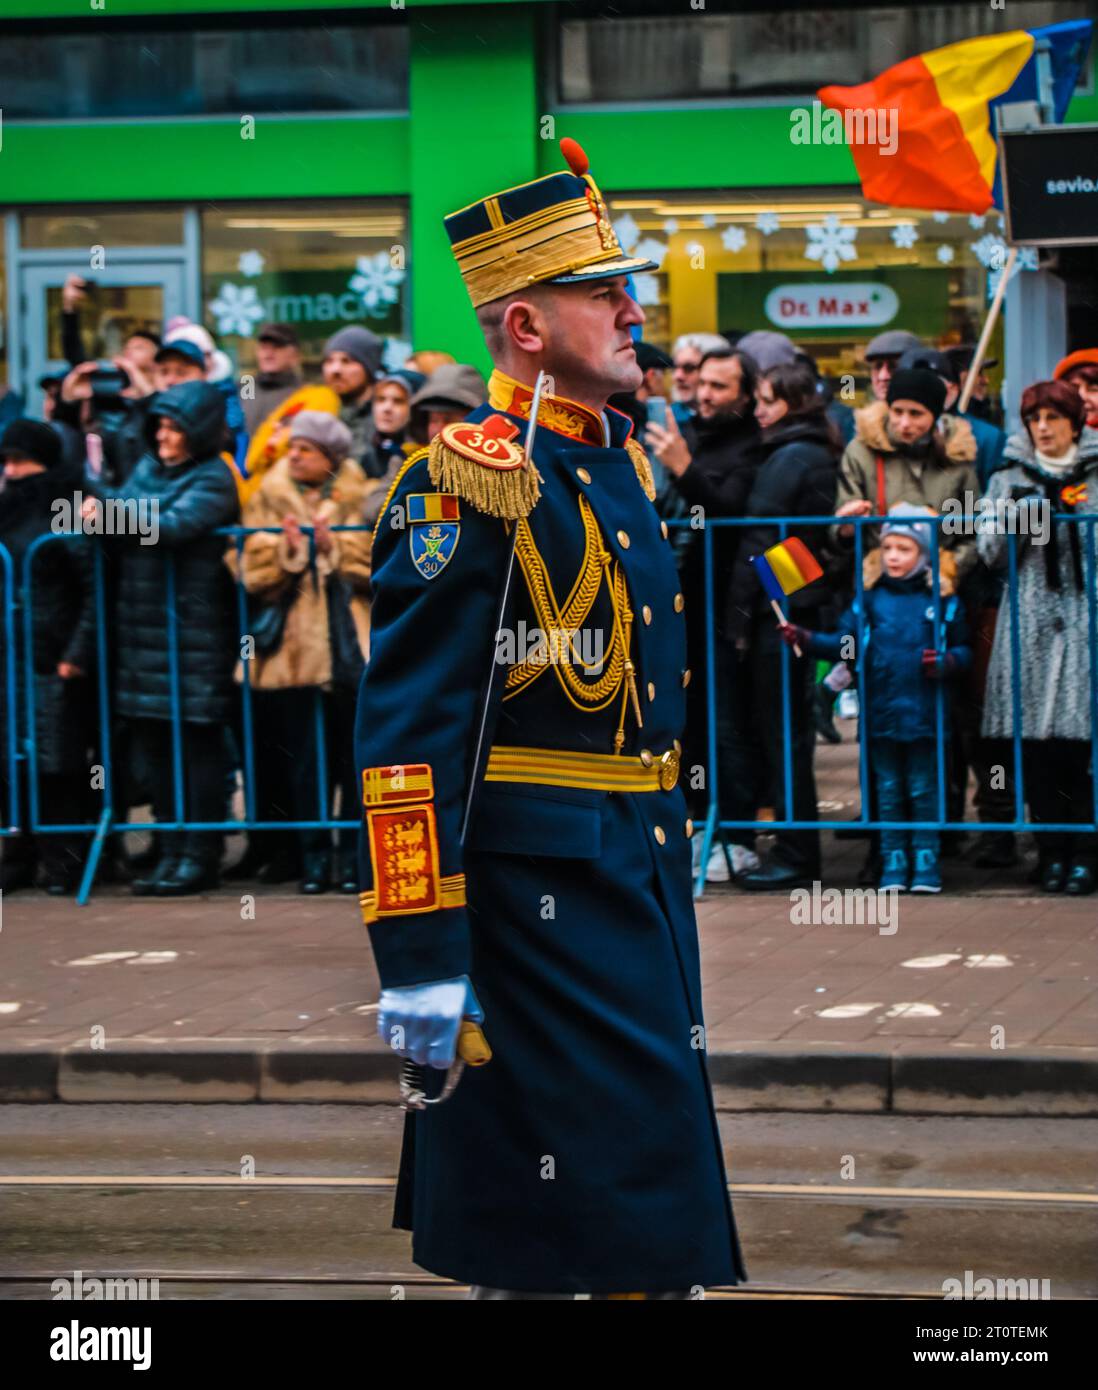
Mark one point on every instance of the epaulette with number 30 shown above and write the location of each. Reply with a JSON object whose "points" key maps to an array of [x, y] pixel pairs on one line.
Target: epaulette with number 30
{"points": [[482, 462]]}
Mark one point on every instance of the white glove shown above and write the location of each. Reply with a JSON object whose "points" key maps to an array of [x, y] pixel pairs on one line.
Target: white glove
{"points": [[421, 1021]]}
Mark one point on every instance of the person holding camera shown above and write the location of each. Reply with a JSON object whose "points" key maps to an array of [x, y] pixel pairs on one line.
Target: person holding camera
{"points": [[1051, 467]]}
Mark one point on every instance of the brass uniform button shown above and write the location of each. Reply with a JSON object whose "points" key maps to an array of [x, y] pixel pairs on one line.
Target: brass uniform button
{"points": [[680, 603], [583, 475], [669, 771], [685, 679], [663, 529], [646, 614], [689, 828], [623, 539], [651, 691], [661, 838], [646, 757]]}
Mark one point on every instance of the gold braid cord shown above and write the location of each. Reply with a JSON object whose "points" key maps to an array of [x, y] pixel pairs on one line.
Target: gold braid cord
{"points": [[509, 493], [559, 625], [643, 468]]}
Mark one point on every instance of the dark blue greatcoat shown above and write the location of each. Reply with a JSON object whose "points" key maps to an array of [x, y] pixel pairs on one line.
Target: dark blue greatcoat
{"points": [[585, 1157]]}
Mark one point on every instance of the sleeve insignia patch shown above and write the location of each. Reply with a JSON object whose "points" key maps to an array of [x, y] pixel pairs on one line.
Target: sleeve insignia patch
{"points": [[391, 786], [432, 544], [404, 856]]}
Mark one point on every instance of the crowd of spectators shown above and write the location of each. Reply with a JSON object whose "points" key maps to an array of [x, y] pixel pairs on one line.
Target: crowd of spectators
{"points": [[737, 426]]}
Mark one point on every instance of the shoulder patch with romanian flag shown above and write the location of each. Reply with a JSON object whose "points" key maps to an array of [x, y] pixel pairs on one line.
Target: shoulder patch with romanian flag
{"points": [[434, 530]]}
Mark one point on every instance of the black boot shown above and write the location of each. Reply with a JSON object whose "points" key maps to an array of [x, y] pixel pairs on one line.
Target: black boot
{"points": [[1054, 875], [16, 874], [823, 710], [145, 884], [347, 872], [1080, 879], [995, 850], [316, 875], [190, 874]]}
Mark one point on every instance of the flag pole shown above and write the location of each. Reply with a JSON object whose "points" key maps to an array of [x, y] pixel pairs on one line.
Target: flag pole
{"points": [[985, 337]]}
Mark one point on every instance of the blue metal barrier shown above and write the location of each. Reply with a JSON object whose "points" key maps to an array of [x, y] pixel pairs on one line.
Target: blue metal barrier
{"points": [[17, 748], [713, 821]]}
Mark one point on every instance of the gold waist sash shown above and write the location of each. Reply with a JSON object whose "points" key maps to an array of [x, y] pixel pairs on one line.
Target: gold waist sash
{"points": [[600, 772]]}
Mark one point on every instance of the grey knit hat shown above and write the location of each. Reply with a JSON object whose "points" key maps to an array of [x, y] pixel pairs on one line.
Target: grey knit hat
{"points": [[360, 344], [325, 432], [454, 385], [906, 519]]}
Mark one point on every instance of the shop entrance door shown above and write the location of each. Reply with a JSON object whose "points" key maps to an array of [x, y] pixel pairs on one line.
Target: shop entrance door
{"points": [[140, 295]]}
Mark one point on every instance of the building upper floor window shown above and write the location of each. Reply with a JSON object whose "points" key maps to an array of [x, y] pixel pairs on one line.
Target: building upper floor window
{"points": [[773, 52], [140, 69]]}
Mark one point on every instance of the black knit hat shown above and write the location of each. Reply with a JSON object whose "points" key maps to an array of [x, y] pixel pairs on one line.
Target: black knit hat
{"points": [[31, 439], [917, 384]]}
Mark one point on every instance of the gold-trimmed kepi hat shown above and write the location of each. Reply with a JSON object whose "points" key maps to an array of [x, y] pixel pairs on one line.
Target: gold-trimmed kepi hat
{"points": [[554, 230]]}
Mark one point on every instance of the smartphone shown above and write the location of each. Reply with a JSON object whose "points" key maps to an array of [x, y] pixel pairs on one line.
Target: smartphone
{"points": [[94, 447], [657, 411]]}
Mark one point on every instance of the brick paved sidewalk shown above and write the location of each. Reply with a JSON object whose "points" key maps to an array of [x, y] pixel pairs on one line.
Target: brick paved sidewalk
{"points": [[788, 1007]]}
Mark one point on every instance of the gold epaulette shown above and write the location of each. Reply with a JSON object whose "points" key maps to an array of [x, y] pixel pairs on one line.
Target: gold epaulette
{"points": [[643, 468], [481, 463]]}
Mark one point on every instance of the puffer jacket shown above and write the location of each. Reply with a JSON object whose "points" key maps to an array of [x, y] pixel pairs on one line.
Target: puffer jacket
{"points": [[947, 473], [191, 500], [304, 656], [898, 626]]}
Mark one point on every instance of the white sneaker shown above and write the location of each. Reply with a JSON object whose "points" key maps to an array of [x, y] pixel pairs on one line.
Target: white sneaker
{"points": [[744, 860]]}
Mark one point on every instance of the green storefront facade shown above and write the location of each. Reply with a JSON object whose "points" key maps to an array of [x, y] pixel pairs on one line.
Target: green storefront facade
{"points": [[231, 191]]}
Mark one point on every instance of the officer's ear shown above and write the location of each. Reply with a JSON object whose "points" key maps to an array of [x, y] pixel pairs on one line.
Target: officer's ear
{"points": [[524, 324]]}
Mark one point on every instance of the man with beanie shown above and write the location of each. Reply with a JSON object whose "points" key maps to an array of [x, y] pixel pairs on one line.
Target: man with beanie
{"points": [[352, 363], [897, 455], [990, 441], [906, 650]]}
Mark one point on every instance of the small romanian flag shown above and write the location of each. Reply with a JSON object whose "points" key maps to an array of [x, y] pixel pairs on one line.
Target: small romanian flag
{"points": [[786, 567], [433, 506], [944, 155]]}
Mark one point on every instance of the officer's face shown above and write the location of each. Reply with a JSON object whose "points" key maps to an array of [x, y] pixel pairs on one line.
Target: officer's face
{"points": [[587, 335]]}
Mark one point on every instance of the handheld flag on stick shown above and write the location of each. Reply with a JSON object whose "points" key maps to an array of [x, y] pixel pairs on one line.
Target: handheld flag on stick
{"points": [[945, 155], [783, 569]]}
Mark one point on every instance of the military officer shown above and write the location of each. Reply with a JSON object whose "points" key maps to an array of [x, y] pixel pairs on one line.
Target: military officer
{"points": [[525, 855]]}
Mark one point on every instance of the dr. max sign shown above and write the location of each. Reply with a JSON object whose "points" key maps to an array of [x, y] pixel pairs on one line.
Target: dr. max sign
{"points": [[856, 304]]}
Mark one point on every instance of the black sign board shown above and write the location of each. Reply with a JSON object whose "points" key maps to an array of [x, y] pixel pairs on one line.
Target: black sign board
{"points": [[1050, 185]]}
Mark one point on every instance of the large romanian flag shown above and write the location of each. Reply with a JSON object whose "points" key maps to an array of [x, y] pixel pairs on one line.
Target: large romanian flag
{"points": [[946, 157]]}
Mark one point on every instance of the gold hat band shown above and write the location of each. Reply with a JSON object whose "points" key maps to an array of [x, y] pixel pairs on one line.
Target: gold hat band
{"points": [[561, 255]]}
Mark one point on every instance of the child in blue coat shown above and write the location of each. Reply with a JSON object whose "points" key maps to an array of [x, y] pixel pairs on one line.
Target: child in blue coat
{"points": [[905, 654]]}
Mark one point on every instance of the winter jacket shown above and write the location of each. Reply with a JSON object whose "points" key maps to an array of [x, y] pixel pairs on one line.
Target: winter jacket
{"points": [[271, 439], [62, 603], [192, 499], [304, 656], [797, 477], [898, 626], [946, 473], [723, 458], [1055, 658], [271, 389], [359, 419]]}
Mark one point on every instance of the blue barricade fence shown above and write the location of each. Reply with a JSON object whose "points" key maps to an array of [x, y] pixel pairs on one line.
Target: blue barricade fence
{"points": [[18, 744]]}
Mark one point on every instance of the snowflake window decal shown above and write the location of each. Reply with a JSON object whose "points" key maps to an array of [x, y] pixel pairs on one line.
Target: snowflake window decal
{"points": [[377, 282], [251, 263], [830, 243], [651, 250], [627, 231], [905, 235], [767, 223], [945, 254], [733, 238], [237, 309]]}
